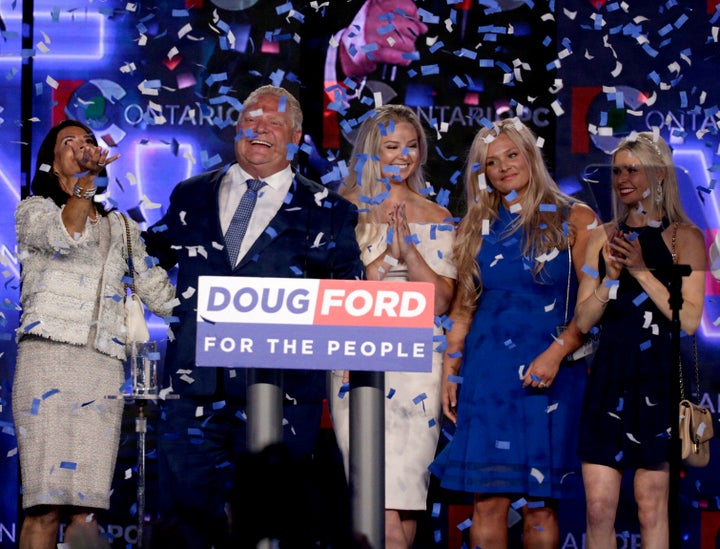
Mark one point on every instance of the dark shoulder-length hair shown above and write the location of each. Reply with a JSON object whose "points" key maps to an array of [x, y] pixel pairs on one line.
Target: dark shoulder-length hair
{"points": [[45, 182]]}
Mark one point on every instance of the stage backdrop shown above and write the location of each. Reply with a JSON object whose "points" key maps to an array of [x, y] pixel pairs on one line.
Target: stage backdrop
{"points": [[161, 83]]}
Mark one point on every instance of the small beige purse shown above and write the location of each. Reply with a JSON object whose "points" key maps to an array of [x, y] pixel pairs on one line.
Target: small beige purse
{"points": [[696, 430], [696, 426]]}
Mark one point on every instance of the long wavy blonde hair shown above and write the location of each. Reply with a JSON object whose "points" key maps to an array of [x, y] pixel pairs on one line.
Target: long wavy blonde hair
{"points": [[366, 185], [656, 158], [541, 231]]}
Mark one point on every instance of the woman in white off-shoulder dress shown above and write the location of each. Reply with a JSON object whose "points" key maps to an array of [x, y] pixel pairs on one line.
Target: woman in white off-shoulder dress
{"points": [[403, 236]]}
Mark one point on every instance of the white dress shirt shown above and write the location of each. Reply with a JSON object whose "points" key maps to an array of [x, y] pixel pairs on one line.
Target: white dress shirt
{"points": [[270, 199]]}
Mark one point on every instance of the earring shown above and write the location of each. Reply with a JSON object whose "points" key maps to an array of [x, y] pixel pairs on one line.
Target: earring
{"points": [[659, 192]]}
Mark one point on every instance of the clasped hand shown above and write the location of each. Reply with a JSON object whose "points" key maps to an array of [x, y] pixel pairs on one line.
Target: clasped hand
{"points": [[401, 242], [623, 251]]}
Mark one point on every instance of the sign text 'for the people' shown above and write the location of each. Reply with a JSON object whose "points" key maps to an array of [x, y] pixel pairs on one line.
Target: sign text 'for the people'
{"points": [[314, 324]]}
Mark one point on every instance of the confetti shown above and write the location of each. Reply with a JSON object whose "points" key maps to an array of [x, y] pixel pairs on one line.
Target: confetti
{"points": [[537, 475], [519, 503]]}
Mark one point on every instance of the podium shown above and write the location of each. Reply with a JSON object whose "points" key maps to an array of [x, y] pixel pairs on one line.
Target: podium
{"points": [[367, 327]]}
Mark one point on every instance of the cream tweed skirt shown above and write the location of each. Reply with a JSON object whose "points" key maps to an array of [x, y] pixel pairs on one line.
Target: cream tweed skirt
{"points": [[67, 429]]}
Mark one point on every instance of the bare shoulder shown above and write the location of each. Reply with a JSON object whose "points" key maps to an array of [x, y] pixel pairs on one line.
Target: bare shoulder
{"points": [[431, 212], [691, 232], [690, 240], [583, 216], [583, 212], [441, 214], [690, 246]]}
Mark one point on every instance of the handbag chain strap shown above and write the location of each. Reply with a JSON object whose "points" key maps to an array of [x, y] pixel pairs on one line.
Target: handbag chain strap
{"points": [[131, 269], [695, 352]]}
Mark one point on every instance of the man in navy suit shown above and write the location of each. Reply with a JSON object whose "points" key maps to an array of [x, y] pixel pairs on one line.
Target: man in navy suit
{"points": [[297, 229]]}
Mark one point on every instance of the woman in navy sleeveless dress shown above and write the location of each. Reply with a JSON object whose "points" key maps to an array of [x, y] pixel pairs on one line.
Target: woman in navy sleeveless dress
{"points": [[518, 401], [625, 415]]}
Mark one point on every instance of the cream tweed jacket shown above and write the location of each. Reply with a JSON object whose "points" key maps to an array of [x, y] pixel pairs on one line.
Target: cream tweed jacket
{"points": [[60, 273]]}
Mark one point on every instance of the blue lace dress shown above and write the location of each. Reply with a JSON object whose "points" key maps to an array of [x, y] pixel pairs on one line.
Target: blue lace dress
{"points": [[508, 439]]}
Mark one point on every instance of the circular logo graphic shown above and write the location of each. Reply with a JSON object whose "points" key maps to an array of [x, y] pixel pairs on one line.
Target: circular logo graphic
{"points": [[609, 113], [96, 104]]}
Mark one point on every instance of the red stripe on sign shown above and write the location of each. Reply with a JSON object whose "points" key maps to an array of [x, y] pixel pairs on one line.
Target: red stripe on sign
{"points": [[397, 305]]}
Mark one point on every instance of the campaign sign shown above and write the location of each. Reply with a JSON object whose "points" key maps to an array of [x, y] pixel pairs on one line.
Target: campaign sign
{"points": [[248, 322]]}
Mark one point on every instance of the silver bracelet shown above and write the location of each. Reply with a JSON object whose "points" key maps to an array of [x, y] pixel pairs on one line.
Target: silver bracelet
{"points": [[79, 192], [601, 300]]}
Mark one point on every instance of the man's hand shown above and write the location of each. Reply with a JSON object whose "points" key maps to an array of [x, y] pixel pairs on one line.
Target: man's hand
{"points": [[383, 31]]}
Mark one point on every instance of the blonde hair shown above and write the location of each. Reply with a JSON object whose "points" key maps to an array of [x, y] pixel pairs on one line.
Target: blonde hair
{"points": [[541, 230], [366, 185], [656, 158]]}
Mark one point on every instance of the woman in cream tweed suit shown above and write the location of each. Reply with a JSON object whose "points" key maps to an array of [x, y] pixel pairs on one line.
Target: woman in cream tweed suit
{"points": [[71, 340]]}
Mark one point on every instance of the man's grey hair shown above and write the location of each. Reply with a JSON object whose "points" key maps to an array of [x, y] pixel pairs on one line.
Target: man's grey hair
{"points": [[292, 105]]}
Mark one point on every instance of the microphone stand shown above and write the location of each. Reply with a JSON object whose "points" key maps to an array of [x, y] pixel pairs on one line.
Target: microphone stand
{"points": [[143, 361], [676, 272]]}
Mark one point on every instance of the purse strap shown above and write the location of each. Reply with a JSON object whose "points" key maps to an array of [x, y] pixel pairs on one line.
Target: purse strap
{"points": [[131, 269], [697, 374], [673, 252]]}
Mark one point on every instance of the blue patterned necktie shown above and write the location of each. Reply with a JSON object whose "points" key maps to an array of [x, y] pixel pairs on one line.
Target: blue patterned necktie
{"points": [[241, 218]]}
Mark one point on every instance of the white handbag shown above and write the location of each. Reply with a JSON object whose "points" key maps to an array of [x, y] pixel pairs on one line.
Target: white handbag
{"points": [[135, 324]]}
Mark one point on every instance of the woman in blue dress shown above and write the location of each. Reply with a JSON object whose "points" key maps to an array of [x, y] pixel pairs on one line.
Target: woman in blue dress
{"points": [[626, 415], [519, 251]]}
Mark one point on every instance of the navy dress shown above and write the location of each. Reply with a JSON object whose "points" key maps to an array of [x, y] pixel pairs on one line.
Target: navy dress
{"points": [[511, 440], [625, 416]]}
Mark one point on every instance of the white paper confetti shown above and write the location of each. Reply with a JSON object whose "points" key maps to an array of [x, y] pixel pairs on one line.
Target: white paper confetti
{"points": [[537, 475]]}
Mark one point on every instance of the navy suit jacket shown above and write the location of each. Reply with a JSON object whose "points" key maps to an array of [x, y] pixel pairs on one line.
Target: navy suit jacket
{"points": [[189, 236]]}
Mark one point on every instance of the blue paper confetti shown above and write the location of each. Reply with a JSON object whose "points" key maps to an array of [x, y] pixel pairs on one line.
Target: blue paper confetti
{"points": [[588, 270], [50, 393], [419, 398]]}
